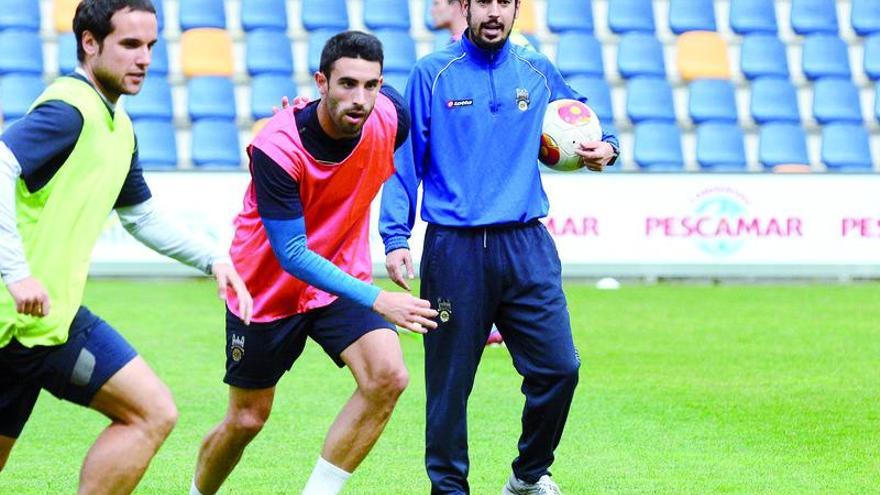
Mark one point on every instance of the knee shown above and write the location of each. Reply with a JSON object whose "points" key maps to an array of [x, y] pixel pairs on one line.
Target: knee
{"points": [[247, 423], [387, 384], [162, 417]]}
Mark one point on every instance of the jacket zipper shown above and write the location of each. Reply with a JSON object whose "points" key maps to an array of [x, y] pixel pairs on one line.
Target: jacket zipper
{"points": [[493, 106]]}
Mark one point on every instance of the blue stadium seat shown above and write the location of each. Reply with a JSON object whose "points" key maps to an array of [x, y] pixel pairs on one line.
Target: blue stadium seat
{"points": [[20, 14], [877, 103], [658, 147], [399, 48], [153, 101], [268, 51], [317, 39], [67, 54], [763, 55], [266, 92], [598, 95], [215, 144], [720, 147], [427, 18], [845, 148], [160, 14], [825, 55], [872, 56], [649, 98], [579, 53], [202, 13], [396, 80], [691, 15], [210, 97], [836, 100], [22, 51], [752, 16], [865, 17], [640, 54], [711, 100], [264, 14], [324, 14], [17, 93], [782, 143], [570, 15], [813, 16], [157, 144], [386, 14], [159, 61], [774, 100], [625, 16], [441, 40]]}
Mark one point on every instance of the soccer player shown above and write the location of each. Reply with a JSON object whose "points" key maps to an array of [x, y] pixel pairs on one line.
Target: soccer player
{"points": [[477, 109], [447, 14], [64, 168], [302, 246]]}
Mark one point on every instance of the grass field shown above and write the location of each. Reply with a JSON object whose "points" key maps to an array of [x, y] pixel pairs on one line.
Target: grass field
{"points": [[684, 390]]}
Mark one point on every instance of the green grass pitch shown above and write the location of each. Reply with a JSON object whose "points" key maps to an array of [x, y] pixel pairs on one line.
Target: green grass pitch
{"points": [[684, 390]]}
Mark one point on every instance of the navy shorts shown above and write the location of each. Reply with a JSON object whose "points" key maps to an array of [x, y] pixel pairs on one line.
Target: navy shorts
{"points": [[73, 371], [257, 355]]}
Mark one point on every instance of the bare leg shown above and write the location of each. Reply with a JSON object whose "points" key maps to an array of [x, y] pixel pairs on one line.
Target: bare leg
{"points": [[376, 362], [6, 444], [142, 413], [223, 446]]}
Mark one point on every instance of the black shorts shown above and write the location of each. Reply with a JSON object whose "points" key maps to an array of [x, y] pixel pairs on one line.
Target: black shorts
{"points": [[73, 371], [257, 355]]}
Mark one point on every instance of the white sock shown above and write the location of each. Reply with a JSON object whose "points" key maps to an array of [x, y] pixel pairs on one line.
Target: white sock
{"points": [[193, 490], [326, 479]]}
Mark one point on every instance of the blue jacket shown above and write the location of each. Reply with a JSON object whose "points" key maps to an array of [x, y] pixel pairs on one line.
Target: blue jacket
{"points": [[476, 125]]}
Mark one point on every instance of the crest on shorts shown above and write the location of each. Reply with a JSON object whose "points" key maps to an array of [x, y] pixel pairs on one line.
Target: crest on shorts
{"points": [[522, 99], [444, 307], [237, 347]]}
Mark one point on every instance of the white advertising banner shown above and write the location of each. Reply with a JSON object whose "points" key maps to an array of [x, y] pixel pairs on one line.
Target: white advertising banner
{"points": [[612, 224]]}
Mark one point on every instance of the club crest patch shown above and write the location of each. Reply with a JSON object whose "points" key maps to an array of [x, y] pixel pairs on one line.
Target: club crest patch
{"points": [[522, 99], [237, 347], [444, 308]]}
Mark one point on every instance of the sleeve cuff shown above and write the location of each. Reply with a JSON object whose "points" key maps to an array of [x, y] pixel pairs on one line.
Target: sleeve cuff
{"points": [[396, 242]]}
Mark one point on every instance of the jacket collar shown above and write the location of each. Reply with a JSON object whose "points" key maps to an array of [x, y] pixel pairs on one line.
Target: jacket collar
{"points": [[482, 55]]}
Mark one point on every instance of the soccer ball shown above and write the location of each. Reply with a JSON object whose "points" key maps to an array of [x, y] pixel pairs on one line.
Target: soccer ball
{"points": [[566, 124]]}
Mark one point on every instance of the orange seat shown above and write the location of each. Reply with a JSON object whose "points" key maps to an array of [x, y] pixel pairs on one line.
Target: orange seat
{"points": [[258, 125], [792, 168], [206, 52], [526, 21], [63, 12], [702, 55]]}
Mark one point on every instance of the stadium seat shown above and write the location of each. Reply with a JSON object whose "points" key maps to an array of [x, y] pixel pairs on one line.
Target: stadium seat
{"points": [[753, 16], [813, 16], [570, 15], [825, 55], [877, 103], [691, 15], [872, 57], [720, 147], [640, 54], [836, 100], [763, 55], [62, 13], [782, 143], [157, 144], [215, 144], [774, 100], [845, 148], [658, 147], [324, 14], [159, 60], [202, 14], [399, 48], [206, 52], [865, 17], [317, 39], [67, 60], [20, 14], [626, 16], [598, 95], [427, 18], [579, 53], [649, 98], [396, 80], [210, 97], [526, 20], [22, 52], [268, 51], [266, 93], [259, 125], [160, 14], [702, 55], [264, 14], [711, 100], [153, 101], [386, 14], [17, 93]]}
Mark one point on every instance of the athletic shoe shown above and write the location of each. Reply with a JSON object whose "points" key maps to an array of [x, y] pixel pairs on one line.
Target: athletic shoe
{"points": [[544, 486]]}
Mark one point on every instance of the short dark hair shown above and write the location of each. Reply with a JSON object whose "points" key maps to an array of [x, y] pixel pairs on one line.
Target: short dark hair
{"points": [[94, 16], [350, 44]]}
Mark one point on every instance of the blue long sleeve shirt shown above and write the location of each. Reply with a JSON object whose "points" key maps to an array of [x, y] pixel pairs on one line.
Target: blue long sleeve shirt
{"points": [[476, 124]]}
